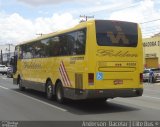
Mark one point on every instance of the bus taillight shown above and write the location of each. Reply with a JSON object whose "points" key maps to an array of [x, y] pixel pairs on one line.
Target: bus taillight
{"points": [[141, 77], [91, 78]]}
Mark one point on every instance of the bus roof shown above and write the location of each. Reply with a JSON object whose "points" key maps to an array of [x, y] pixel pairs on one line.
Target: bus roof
{"points": [[79, 26]]}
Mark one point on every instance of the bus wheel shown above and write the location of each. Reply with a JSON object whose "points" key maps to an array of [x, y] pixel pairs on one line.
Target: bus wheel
{"points": [[59, 93], [21, 87], [49, 90]]}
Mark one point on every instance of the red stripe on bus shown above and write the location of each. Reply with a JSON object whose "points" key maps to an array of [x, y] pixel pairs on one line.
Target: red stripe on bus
{"points": [[66, 74], [64, 82]]}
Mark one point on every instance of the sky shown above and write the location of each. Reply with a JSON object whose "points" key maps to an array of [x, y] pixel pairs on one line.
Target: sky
{"points": [[22, 20]]}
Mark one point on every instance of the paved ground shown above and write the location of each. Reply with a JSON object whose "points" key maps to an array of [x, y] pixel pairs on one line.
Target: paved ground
{"points": [[32, 106]]}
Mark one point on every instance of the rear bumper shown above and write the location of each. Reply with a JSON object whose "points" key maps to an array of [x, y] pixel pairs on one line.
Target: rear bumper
{"points": [[77, 94]]}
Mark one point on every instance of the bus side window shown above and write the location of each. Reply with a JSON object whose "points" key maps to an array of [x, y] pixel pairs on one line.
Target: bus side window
{"points": [[63, 46], [20, 53], [55, 48], [81, 42], [27, 50], [71, 43]]}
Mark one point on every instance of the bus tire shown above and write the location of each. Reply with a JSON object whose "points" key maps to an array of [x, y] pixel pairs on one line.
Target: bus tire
{"points": [[49, 90], [21, 87], [59, 93]]}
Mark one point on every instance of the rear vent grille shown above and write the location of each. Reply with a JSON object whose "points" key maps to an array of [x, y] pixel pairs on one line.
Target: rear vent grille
{"points": [[79, 81]]}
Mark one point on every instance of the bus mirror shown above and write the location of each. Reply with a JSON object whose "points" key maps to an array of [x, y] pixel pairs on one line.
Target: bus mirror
{"points": [[12, 60]]}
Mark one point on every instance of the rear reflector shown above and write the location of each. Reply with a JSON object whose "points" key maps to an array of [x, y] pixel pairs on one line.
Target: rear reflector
{"points": [[91, 78]]}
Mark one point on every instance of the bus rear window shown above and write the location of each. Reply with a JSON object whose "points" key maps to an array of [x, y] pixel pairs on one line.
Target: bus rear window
{"points": [[116, 33]]}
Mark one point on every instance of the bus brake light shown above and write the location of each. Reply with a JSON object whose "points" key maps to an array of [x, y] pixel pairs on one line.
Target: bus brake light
{"points": [[141, 77], [91, 78]]}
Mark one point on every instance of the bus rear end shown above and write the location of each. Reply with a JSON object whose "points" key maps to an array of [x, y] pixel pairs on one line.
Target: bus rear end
{"points": [[115, 70]]}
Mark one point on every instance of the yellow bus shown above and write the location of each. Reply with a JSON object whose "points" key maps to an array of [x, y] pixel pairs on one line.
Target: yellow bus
{"points": [[97, 59]]}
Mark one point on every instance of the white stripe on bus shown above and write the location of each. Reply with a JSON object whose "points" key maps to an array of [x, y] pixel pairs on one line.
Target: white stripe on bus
{"points": [[69, 83], [63, 80], [65, 75]]}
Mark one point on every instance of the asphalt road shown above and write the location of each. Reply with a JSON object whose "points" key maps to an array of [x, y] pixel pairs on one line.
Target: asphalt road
{"points": [[33, 106]]}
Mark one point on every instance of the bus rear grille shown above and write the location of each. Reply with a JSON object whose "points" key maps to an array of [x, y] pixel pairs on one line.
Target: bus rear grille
{"points": [[78, 81]]}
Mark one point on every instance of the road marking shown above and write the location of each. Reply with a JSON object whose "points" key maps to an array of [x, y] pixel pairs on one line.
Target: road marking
{"points": [[4, 78], [53, 106], [151, 97], [152, 90], [4, 87], [151, 84]]}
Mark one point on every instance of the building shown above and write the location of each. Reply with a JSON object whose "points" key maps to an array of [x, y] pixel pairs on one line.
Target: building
{"points": [[6, 52], [151, 48]]}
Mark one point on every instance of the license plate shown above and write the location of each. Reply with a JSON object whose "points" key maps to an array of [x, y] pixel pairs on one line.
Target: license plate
{"points": [[118, 82]]}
